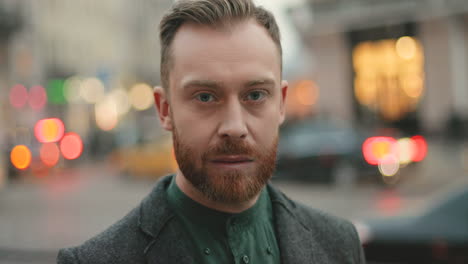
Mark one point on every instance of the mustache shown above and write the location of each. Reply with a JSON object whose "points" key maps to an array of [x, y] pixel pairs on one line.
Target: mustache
{"points": [[230, 146]]}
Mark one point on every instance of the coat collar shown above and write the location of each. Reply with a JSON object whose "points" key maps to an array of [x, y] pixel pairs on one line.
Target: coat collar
{"points": [[296, 240], [168, 245]]}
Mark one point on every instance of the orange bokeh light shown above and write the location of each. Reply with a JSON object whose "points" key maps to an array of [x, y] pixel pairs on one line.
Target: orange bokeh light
{"points": [[20, 157], [71, 146], [376, 149], [49, 154], [49, 130]]}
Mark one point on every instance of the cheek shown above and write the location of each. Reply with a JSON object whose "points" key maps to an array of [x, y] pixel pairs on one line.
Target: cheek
{"points": [[194, 132], [265, 129]]}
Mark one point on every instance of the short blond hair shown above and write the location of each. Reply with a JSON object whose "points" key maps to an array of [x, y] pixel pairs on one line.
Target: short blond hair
{"points": [[216, 13]]}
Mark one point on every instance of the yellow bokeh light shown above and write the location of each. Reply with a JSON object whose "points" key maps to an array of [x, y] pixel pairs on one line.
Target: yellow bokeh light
{"points": [[141, 96], [106, 114], [406, 150], [120, 97], [406, 47], [413, 86], [389, 76], [92, 90], [365, 91], [381, 149]]}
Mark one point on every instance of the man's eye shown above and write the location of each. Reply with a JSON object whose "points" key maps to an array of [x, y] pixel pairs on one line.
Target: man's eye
{"points": [[255, 95], [205, 97]]}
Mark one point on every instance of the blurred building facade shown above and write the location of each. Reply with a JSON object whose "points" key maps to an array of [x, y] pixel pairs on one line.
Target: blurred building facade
{"points": [[88, 37], [344, 33], [111, 44], [109, 39]]}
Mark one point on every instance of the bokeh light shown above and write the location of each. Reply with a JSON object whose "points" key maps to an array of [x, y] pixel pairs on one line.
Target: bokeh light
{"points": [[389, 76], [413, 86], [406, 47], [37, 97], [55, 89], [420, 144], [92, 90], [71, 146], [376, 149], [49, 154], [389, 166], [406, 149], [72, 89], [141, 96], [18, 96], [106, 114], [120, 97], [20, 157], [306, 92], [49, 130]]}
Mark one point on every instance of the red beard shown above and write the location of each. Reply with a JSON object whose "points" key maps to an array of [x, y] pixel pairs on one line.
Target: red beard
{"points": [[226, 186]]}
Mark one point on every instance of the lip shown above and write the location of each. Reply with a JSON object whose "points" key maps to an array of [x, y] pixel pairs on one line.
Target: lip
{"points": [[232, 159]]}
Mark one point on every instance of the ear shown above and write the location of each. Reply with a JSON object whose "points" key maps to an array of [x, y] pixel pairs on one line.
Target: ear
{"points": [[163, 107], [284, 93]]}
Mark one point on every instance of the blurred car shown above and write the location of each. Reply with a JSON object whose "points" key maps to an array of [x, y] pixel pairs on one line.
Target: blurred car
{"points": [[320, 150], [440, 235], [150, 160], [333, 152]]}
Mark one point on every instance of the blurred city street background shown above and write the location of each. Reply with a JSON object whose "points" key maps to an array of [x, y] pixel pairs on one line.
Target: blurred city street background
{"points": [[377, 113]]}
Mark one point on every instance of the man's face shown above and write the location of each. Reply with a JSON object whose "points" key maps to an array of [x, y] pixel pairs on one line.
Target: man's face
{"points": [[225, 106]]}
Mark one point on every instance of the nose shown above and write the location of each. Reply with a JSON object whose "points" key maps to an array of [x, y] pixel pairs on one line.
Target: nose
{"points": [[232, 122]]}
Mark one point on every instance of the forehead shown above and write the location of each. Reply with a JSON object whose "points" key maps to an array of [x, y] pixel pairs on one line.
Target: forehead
{"points": [[241, 52]]}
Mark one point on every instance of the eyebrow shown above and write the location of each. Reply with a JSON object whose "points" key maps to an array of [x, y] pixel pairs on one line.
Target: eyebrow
{"points": [[265, 81], [203, 83], [217, 85]]}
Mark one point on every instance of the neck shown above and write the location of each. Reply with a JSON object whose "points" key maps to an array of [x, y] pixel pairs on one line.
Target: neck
{"points": [[188, 189]]}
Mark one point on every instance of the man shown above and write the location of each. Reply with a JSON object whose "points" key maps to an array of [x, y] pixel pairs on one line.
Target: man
{"points": [[222, 98]]}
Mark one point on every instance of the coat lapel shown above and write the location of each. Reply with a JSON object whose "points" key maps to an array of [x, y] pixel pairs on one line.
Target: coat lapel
{"points": [[170, 246], [296, 241], [167, 242]]}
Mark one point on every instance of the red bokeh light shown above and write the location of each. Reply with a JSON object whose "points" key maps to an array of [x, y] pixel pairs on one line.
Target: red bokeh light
{"points": [[37, 97], [420, 148], [71, 146], [49, 130], [18, 96], [377, 149], [49, 154]]}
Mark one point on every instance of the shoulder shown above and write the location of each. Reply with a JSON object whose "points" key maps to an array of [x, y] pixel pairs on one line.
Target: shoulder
{"points": [[126, 240], [335, 234], [325, 224], [311, 218], [122, 242], [337, 237]]}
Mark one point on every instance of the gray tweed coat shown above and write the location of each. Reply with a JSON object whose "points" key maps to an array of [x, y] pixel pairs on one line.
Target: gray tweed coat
{"points": [[147, 234]]}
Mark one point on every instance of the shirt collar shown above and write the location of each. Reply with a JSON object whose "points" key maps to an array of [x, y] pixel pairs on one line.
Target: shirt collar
{"points": [[184, 206]]}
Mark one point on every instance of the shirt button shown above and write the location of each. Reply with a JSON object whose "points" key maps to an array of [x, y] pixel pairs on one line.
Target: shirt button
{"points": [[269, 251], [246, 259], [207, 251]]}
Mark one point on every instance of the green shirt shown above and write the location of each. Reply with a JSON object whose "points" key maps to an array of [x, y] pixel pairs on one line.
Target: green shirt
{"points": [[218, 237]]}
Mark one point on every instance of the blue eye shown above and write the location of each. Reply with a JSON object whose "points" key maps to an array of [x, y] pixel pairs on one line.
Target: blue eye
{"points": [[205, 97], [255, 95]]}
